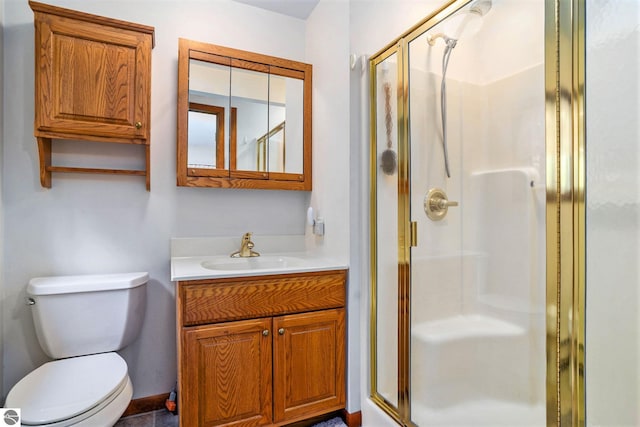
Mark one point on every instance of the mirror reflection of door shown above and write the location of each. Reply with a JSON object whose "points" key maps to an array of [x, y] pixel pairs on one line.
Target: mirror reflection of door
{"points": [[208, 118], [206, 137]]}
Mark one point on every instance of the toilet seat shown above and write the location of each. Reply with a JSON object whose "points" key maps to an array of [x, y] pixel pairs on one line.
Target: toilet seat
{"points": [[105, 414], [67, 391]]}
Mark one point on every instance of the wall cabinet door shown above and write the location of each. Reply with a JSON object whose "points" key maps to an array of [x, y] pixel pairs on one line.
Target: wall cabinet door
{"points": [[226, 374], [309, 364], [93, 79]]}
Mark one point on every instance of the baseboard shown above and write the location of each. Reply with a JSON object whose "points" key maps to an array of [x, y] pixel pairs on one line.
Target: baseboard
{"points": [[352, 420], [154, 403], [145, 404]]}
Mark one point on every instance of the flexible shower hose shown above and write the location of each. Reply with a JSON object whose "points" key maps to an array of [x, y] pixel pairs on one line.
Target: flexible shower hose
{"points": [[451, 43]]}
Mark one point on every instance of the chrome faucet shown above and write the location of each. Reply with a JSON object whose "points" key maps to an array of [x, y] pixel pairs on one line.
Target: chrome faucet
{"points": [[246, 248]]}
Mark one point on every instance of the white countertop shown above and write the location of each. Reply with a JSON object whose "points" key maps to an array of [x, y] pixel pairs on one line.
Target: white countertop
{"points": [[191, 268], [190, 258]]}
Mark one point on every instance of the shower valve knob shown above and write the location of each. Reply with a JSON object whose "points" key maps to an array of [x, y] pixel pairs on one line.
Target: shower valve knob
{"points": [[442, 203], [436, 204]]}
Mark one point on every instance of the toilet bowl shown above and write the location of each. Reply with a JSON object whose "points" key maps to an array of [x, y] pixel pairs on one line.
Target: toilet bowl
{"points": [[75, 391], [81, 321]]}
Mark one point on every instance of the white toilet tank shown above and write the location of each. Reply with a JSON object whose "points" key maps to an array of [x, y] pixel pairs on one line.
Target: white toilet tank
{"points": [[79, 315]]}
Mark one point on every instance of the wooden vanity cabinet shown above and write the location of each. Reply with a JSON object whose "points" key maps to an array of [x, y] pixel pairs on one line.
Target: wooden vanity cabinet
{"points": [[308, 357], [92, 83], [267, 350], [226, 374]]}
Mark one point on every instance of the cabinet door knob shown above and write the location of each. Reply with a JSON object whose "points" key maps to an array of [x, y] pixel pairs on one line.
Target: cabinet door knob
{"points": [[265, 332], [138, 125], [281, 331]]}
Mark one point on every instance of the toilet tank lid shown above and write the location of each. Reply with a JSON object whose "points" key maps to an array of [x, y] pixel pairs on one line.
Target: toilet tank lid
{"points": [[85, 283]]}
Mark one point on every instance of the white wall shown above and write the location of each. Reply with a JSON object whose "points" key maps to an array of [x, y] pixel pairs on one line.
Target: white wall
{"points": [[613, 213], [93, 223], [327, 49]]}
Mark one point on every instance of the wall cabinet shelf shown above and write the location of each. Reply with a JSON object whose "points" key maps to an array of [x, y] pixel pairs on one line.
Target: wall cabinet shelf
{"points": [[264, 350], [92, 83]]}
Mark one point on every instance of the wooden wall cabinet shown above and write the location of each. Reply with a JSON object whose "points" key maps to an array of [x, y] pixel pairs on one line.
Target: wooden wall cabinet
{"points": [[92, 83], [267, 350]]}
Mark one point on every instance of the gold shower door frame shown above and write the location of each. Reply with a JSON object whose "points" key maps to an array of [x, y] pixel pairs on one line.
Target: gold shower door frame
{"points": [[566, 229], [403, 264], [565, 212]]}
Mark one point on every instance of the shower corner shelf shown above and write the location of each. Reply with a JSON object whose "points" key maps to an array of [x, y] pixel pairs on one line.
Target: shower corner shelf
{"points": [[112, 106]]}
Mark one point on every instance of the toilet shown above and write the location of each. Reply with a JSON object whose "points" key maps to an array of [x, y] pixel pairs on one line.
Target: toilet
{"points": [[81, 321]]}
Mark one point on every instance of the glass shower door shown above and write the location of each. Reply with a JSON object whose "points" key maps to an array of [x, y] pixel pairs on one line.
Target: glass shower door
{"points": [[477, 108], [612, 372], [385, 185]]}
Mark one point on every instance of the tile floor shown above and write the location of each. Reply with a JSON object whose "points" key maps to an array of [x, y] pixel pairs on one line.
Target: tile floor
{"points": [[160, 418]]}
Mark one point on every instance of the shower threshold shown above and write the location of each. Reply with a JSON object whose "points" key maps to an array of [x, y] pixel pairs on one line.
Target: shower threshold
{"points": [[482, 412]]}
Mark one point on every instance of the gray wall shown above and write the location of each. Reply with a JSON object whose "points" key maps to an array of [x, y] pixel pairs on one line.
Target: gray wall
{"points": [[100, 224]]}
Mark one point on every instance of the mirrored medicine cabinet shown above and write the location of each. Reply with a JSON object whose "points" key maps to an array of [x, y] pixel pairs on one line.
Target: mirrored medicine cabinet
{"points": [[244, 119]]}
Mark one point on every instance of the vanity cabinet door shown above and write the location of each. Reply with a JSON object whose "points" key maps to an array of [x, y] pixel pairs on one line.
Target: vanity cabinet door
{"points": [[309, 364], [226, 374]]}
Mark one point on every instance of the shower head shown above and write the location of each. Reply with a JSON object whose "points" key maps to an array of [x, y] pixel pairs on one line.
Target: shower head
{"points": [[467, 20], [480, 7]]}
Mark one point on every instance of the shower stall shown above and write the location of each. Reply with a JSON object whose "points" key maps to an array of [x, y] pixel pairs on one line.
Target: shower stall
{"points": [[458, 167]]}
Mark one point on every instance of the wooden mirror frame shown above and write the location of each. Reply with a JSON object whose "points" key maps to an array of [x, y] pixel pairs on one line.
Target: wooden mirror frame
{"points": [[232, 178]]}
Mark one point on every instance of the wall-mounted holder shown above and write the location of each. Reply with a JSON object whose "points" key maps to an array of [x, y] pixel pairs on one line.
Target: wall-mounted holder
{"points": [[316, 223], [94, 89], [436, 204]]}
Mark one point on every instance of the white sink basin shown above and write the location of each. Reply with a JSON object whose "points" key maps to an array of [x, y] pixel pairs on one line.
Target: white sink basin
{"points": [[264, 262]]}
